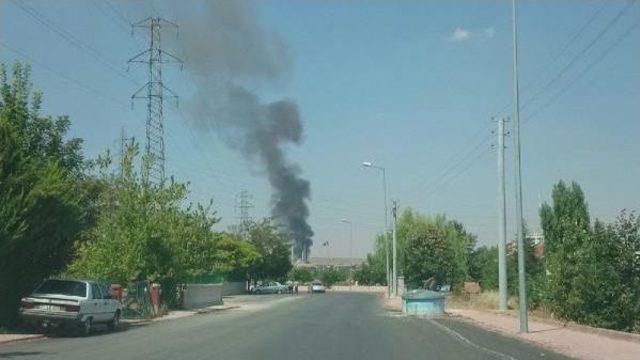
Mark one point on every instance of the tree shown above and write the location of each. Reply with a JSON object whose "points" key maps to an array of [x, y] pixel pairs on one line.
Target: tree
{"points": [[234, 257], [301, 274], [274, 248], [566, 229], [483, 267], [41, 212], [331, 275], [371, 271], [437, 248]]}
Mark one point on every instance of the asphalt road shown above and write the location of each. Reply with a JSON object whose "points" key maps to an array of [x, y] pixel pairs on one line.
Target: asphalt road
{"points": [[322, 326]]}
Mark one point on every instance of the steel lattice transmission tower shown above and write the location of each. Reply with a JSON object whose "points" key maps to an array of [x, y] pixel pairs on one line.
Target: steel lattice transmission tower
{"points": [[154, 57], [244, 205]]}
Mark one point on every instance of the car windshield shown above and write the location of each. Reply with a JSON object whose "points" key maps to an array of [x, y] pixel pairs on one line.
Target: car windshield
{"points": [[63, 287]]}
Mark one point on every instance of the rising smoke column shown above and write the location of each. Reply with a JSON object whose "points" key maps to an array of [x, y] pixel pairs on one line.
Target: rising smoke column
{"points": [[226, 52]]}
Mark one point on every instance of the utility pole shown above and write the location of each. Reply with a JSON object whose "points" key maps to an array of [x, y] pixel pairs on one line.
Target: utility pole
{"points": [[502, 221], [386, 231], [522, 289], [394, 212], [154, 57]]}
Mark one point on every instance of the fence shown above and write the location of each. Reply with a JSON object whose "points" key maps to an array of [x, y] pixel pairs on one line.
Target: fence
{"points": [[136, 300]]}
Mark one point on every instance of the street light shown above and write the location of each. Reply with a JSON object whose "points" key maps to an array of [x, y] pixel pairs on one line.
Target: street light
{"points": [[369, 164], [345, 221]]}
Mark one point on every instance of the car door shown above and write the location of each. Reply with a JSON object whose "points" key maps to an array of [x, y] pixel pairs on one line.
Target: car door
{"points": [[109, 304], [97, 302]]}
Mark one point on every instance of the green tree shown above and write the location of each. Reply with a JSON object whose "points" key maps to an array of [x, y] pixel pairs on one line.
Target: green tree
{"points": [[566, 229], [41, 212], [332, 275], [301, 274], [483, 267], [437, 248], [372, 271], [274, 248]]}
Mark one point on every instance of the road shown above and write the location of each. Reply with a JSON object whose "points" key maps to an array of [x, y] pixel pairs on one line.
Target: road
{"points": [[320, 326]]}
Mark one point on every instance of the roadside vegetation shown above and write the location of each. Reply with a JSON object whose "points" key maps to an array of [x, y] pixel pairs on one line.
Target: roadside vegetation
{"points": [[64, 215], [589, 272]]}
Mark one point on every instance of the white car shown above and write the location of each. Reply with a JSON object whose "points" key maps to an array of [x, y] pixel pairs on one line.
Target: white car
{"points": [[77, 303], [317, 287]]}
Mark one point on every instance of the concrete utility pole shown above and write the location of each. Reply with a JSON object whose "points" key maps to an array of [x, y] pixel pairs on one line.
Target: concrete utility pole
{"points": [[154, 57], [394, 212], [522, 289], [502, 221]]}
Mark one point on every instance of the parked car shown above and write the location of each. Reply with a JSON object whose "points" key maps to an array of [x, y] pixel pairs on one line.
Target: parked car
{"points": [[317, 287], [71, 303], [269, 287]]}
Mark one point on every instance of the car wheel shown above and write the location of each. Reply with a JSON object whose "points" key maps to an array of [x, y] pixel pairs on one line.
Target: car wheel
{"points": [[113, 324], [258, 292], [86, 327], [279, 291]]}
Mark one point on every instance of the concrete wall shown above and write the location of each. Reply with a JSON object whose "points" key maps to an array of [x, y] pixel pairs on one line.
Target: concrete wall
{"points": [[359, 288], [234, 288], [201, 295]]}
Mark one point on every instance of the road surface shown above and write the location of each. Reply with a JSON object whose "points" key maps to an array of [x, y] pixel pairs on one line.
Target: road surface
{"points": [[320, 326]]}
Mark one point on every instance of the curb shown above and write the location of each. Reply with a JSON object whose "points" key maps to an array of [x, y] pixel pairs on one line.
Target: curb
{"points": [[26, 337], [168, 317]]}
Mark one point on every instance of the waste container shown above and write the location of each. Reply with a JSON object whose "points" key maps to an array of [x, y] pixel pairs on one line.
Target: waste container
{"points": [[423, 302]]}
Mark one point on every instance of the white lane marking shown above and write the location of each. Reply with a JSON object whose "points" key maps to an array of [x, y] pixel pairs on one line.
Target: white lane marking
{"points": [[464, 340]]}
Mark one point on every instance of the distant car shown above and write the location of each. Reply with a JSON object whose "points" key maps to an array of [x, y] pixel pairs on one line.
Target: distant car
{"points": [[270, 287], [317, 287], [71, 303]]}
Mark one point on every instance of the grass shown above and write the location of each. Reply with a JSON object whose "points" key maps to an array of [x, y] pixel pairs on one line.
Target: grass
{"points": [[486, 300]]}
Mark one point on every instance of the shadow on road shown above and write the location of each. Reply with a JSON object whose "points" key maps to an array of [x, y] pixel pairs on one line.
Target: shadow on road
{"points": [[9, 355]]}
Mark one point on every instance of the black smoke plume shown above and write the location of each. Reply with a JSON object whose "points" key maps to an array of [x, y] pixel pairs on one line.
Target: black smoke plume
{"points": [[227, 53]]}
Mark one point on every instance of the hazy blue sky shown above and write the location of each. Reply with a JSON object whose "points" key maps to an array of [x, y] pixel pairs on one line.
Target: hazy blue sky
{"points": [[409, 85]]}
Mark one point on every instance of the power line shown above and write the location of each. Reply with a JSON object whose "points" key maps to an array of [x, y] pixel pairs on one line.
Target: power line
{"points": [[470, 163], [118, 13], [70, 38], [452, 166], [63, 76], [588, 68], [581, 53]]}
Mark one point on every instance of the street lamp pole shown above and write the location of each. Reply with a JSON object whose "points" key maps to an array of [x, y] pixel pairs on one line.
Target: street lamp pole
{"points": [[350, 248], [522, 288], [386, 221]]}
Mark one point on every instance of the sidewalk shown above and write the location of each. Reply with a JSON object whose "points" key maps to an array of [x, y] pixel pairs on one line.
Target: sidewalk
{"points": [[576, 341], [176, 314], [9, 338]]}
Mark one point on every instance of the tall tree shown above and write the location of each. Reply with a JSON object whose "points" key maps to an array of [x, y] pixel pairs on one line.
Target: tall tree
{"points": [[274, 248], [41, 208], [566, 228]]}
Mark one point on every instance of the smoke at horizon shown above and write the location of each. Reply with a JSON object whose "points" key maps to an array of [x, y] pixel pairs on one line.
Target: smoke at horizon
{"points": [[225, 52]]}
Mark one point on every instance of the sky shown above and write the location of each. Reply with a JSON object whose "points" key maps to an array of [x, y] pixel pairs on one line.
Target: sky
{"points": [[412, 86]]}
